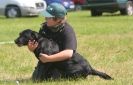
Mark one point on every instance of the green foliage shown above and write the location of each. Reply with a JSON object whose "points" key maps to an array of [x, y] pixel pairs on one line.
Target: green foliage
{"points": [[106, 42]]}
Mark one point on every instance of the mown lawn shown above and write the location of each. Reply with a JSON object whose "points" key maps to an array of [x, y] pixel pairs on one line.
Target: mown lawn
{"points": [[106, 42]]}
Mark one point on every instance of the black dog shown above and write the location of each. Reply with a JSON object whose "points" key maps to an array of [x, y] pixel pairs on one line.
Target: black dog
{"points": [[72, 68]]}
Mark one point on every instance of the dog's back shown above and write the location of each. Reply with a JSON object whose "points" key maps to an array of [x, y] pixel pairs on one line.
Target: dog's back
{"points": [[77, 66], [46, 46]]}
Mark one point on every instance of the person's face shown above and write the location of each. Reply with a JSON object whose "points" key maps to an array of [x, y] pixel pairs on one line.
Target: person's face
{"points": [[51, 22]]}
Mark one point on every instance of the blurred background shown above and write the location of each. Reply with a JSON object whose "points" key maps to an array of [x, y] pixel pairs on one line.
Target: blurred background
{"points": [[19, 8]]}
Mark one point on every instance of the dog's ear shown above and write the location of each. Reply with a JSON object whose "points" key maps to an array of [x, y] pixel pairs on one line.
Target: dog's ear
{"points": [[35, 35]]}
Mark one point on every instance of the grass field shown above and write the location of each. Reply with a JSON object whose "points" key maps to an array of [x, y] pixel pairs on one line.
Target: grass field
{"points": [[106, 42]]}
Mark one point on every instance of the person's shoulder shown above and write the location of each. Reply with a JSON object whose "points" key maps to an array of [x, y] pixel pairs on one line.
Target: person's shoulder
{"points": [[43, 28], [68, 27], [43, 24]]}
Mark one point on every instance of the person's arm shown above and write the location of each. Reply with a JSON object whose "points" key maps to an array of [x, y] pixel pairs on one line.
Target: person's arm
{"points": [[63, 55]]}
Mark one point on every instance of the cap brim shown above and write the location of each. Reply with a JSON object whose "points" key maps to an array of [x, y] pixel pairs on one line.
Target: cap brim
{"points": [[46, 14]]}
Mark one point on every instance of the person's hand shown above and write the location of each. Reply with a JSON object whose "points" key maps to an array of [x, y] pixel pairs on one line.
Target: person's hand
{"points": [[44, 57], [32, 45]]}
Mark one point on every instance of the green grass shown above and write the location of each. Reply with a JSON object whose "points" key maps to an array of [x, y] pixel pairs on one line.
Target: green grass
{"points": [[106, 42]]}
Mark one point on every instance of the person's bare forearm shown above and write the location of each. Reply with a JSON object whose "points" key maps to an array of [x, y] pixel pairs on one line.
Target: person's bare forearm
{"points": [[63, 55]]}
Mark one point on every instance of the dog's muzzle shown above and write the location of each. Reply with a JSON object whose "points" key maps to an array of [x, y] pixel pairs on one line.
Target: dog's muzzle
{"points": [[18, 42]]}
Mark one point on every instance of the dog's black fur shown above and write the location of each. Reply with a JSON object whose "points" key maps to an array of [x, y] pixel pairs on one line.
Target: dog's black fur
{"points": [[75, 66]]}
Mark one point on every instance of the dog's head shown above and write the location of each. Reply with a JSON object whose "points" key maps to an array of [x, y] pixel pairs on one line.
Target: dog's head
{"points": [[25, 36]]}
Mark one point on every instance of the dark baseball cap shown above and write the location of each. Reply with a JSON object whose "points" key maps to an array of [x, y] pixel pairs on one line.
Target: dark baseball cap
{"points": [[55, 10]]}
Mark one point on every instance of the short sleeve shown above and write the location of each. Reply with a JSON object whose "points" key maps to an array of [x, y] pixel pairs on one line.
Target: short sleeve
{"points": [[70, 41]]}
